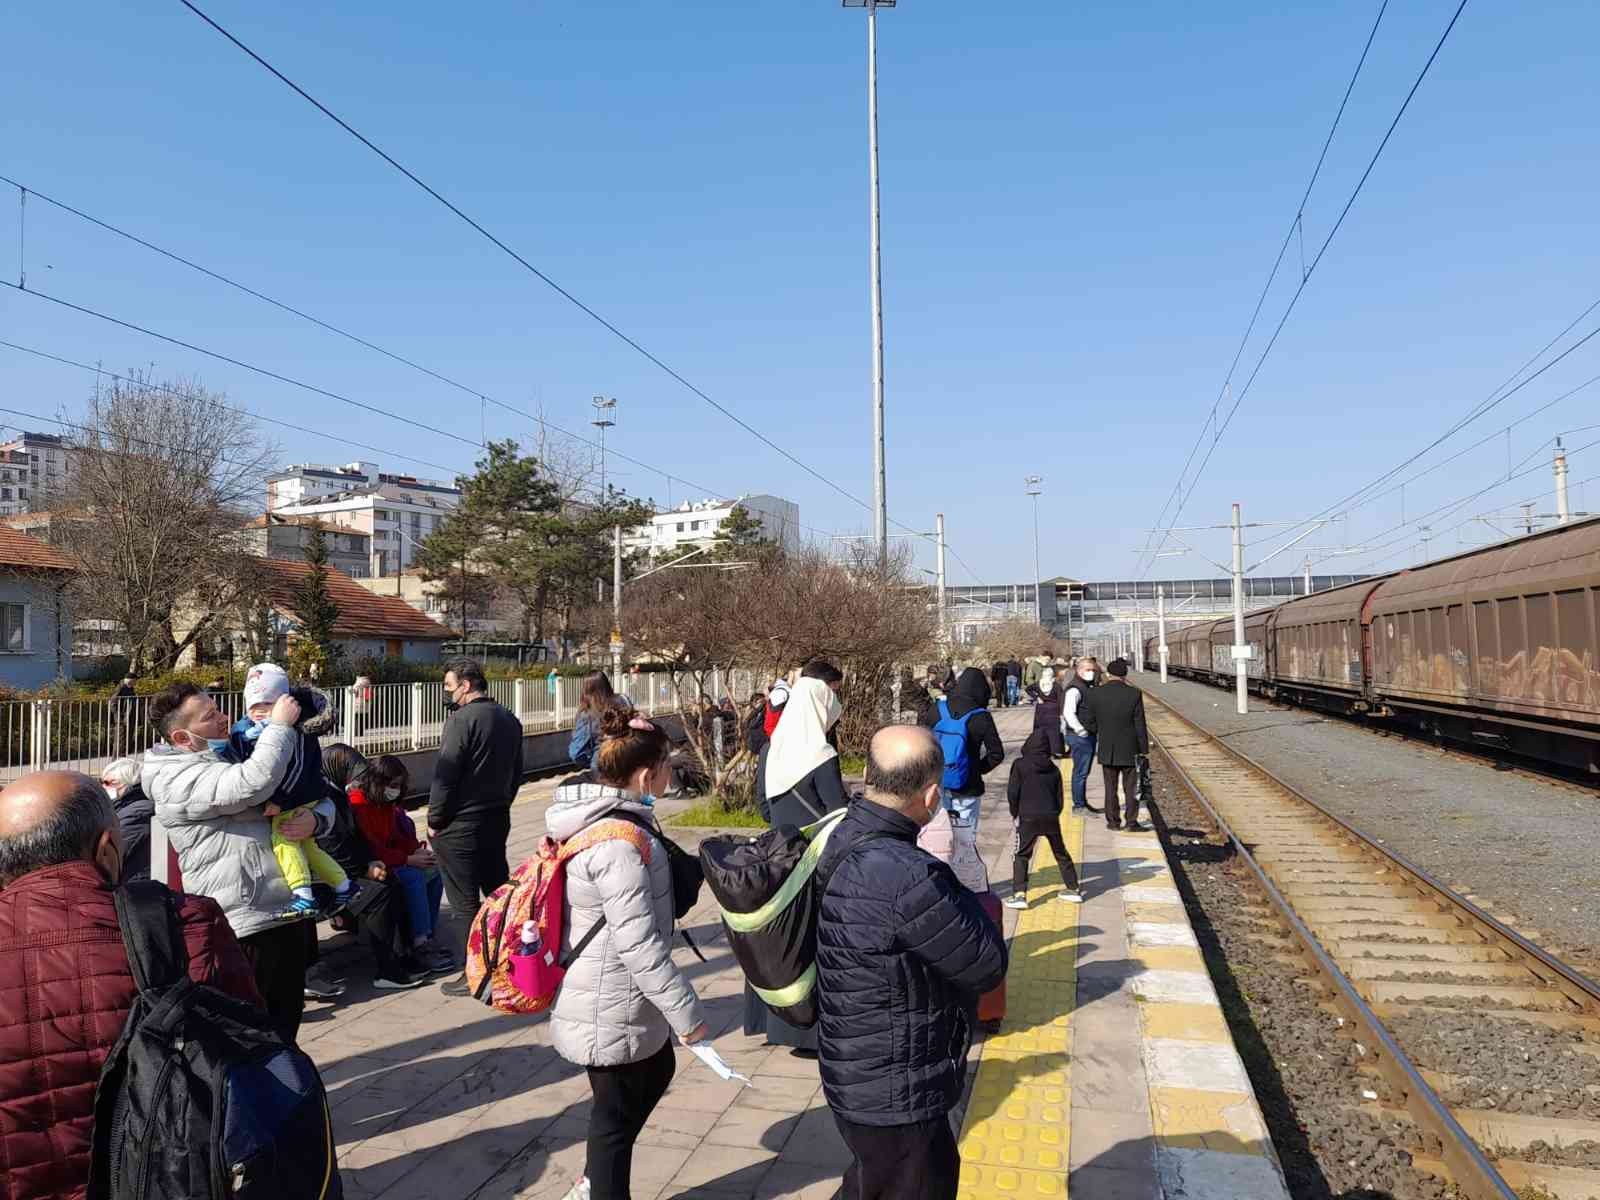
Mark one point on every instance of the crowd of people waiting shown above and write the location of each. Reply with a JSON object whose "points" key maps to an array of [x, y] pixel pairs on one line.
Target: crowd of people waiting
{"points": [[272, 832]]}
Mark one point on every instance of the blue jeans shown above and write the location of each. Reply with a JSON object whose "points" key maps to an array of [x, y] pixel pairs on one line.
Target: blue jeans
{"points": [[1082, 749], [1013, 690], [963, 810], [423, 890]]}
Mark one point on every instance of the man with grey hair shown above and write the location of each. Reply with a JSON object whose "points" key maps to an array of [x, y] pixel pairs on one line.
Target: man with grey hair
{"points": [[903, 953], [65, 984]]}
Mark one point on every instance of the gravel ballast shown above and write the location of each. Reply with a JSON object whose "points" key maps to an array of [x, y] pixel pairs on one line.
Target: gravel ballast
{"points": [[1526, 848]]}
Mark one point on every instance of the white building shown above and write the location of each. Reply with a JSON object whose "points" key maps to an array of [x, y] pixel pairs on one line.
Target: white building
{"points": [[395, 511], [695, 524], [33, 467]]}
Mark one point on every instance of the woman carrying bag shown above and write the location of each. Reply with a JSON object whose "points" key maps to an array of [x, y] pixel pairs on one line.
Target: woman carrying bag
{"points": [[798, 782]]}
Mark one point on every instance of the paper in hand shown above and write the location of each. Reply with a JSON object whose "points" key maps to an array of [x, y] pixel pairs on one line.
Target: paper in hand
{"points": [[707, 1053]]}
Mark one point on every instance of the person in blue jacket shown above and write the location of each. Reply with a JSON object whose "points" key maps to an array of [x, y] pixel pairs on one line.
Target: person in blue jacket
{"points": [[596, 692]]}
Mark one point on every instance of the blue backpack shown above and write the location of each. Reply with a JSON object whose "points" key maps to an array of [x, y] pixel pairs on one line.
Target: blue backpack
{"points": [[952, 735]]}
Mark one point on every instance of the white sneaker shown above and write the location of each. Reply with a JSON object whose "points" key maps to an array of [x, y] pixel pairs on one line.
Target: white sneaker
{"points": [[1015, 901], [580, 1190], [1071, 897]]}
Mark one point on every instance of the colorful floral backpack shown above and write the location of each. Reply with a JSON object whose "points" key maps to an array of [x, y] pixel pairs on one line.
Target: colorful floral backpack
{"points": [[514, 960]]}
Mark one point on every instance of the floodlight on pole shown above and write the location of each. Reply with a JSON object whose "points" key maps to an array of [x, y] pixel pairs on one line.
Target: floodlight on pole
{"points": [[1033, 485], [880, 503], [603, 408]]}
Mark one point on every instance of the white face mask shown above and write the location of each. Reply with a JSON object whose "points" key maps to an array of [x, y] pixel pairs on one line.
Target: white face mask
{"points": [[392, 793], [1088, 676]]}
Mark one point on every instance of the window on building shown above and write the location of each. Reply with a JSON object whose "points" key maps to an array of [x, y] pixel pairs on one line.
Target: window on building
{"points": [[5, 493], [14, 627], [680, 526]]}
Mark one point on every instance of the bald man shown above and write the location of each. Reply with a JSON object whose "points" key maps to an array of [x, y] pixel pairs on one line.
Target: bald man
{"points": [[65, 986], [903, 953]]}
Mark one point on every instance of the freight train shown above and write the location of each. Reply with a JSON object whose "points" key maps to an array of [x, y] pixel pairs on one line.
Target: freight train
{"points": [[1497, 648]]}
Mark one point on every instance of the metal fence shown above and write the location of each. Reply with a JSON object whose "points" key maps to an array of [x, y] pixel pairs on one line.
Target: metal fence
{"points": [[389, 718]]}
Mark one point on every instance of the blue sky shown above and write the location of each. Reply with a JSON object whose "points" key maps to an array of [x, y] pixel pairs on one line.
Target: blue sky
{"points": [[1081, 202]]}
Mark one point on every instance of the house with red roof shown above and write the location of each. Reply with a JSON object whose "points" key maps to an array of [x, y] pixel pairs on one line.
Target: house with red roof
{"points": [[369, 623], [35, 612]]}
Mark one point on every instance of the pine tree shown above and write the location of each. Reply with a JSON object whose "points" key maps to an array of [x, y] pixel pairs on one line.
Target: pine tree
{"points": [[742, 538], [314, 607]]}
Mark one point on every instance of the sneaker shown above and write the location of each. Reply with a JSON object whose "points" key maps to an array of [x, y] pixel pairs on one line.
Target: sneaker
{"points": [[580, 1190], [1135, 827], [299, 909], [1071, 897], [423, 961], [321, 986], [397, 983], [459, 987], [1113, 824], [1017, 901]]}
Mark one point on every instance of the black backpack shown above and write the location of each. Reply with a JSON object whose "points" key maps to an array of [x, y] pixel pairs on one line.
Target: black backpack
{"points": [[201, 1098]]}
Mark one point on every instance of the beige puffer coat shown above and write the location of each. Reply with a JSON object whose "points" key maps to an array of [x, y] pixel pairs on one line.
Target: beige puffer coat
{"points": [[624, 996]]}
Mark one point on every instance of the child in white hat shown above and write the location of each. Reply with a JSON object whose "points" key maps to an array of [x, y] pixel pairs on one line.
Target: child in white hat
{"points": [[301, 862]]}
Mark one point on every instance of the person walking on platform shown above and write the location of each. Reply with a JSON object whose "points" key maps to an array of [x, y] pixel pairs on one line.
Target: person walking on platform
{"points": [[1031, 674], [1115, 715], [997, 684], [972, 748], [1047, 712], [1035, 795], [1013, 683], [903, 953], [1079, 739]]}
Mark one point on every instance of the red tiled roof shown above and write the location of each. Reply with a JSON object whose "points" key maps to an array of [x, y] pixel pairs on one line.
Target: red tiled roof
{"points": [[361, 613], [22, 550]]}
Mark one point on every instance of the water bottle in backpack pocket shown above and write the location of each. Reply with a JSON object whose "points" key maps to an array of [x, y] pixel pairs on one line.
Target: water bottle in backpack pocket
{"points": [[202, 1098]]}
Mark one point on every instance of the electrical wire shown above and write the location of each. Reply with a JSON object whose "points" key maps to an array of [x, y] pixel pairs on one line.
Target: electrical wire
{"points": [[101, 371], [1311, 270], [1295, 225], [561, 291]]}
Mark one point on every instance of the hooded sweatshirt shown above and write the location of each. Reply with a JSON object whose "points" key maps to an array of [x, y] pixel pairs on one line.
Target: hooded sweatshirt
{"points": [[1034, 791], [985, 750], [624, 995]]}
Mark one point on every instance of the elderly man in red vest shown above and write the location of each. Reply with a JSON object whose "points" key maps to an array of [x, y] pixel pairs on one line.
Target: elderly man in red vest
{"points": [[65, 985]]}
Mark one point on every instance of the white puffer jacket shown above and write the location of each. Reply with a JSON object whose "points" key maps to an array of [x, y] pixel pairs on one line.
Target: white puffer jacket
{"points": [[624, 995], [210, 808]]}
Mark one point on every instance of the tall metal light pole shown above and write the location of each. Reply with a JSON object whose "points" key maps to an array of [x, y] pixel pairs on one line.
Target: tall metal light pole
{"points": [[880, 503], [1161, 628], [1031, 484], [944, 629]]}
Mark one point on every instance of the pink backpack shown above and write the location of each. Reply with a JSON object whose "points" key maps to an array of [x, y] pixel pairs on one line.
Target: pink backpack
{"points": [[517, 976]]}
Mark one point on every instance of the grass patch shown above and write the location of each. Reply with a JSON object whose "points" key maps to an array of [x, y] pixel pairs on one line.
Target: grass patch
{"points": [[711, 813]]}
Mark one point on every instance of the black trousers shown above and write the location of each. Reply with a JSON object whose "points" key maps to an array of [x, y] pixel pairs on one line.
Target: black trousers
{"points": [[381, 918], [624, 1098], [1028, 830], [900, 1162], [1130, 794], [472, 858], [279, 958]]}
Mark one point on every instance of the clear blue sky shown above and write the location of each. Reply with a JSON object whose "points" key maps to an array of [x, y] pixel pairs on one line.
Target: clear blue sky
{"points": [[1080, 204]]}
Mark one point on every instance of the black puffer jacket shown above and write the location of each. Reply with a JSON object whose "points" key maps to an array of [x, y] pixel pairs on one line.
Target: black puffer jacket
{"points": [[903, 953], [1034, 792], [985, 750]]}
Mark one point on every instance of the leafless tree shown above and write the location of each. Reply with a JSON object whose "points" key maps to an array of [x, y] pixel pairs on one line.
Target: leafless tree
{"points": [[163, 475], [1018, 637]]}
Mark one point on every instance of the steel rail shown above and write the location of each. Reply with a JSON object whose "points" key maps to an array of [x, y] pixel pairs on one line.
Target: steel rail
{"points": [[1470, 1169]]}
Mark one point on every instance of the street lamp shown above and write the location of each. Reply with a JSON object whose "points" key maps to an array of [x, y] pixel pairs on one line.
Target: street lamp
{"points": [[1032, 485], [880, 509]]}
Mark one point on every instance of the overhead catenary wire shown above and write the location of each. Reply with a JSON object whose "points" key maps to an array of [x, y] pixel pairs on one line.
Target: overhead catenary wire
{"points": [[1311, 270], [1296, 229], [504, 247]]}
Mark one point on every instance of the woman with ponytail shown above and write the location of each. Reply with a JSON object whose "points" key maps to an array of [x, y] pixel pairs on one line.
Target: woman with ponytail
{"points": [[623, 997]]}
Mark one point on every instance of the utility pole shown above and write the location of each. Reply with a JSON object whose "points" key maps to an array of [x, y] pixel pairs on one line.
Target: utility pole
{"points": [[938, 527], [1240, 650], [603, 408], [1161, 628], [880, 506], [1527, 518], [616, 605], [1031, 484], [1308, 575], [1138, 644], [1563, 513]]}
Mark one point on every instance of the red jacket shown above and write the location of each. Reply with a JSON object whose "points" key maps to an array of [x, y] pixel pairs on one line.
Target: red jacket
{"points": [[391, 834], [65, 991]]}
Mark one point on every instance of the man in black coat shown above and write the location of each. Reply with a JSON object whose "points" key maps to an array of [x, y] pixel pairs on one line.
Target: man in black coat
{"points": [[469, 808], [1114, 714], [997, 683], [903, 953]]}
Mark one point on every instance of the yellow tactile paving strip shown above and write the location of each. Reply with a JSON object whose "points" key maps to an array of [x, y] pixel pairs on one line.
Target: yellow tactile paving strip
{"points": [[1014, 1142], [1210, 1140]]}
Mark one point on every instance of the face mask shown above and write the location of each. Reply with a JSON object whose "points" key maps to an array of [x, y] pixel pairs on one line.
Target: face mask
{"points": [[647, 799], [1088, 676], [219, 745], [114, 790], [392, 794]]}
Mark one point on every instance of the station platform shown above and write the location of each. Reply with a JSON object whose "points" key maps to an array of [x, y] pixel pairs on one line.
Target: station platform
{"points": [[1113, 1075]]}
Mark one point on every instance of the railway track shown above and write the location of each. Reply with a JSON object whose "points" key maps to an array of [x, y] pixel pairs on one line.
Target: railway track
{"points": [[1389, 945]]}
